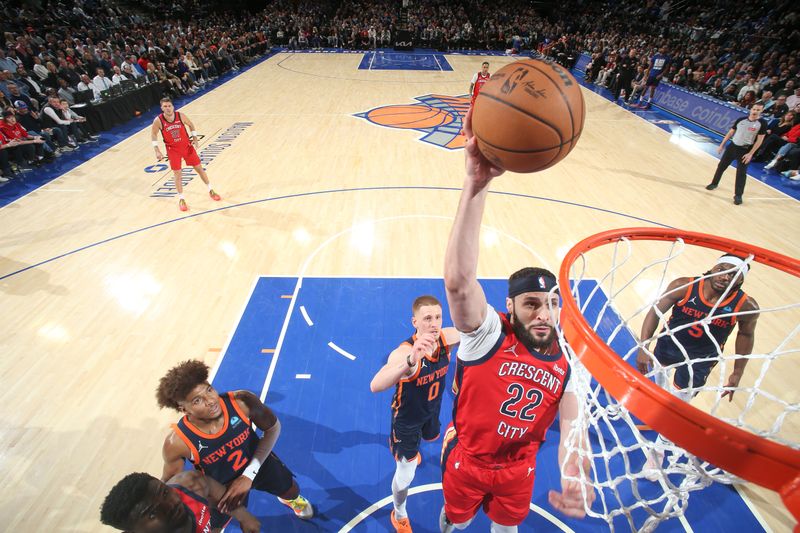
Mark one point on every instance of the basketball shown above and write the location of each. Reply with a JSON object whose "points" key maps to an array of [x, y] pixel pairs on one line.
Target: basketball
{"points": [[528, 116]]}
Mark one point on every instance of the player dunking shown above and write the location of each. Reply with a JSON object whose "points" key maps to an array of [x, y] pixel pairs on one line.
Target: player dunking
{"points": [[512, 380], [478, 79], [691, 300], [140, 503], [417, 369], [217, 436], [175, 129]]}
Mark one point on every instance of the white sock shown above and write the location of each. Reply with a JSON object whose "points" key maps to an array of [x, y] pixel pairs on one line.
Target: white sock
{"points": [[180, 196], [497, 528], [209, 186], [403, 476]]}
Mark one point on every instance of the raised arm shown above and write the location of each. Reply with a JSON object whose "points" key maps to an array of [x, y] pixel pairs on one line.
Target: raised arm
{"points": [[402, 363], [464, 294], [675, 291], [265, 420]]}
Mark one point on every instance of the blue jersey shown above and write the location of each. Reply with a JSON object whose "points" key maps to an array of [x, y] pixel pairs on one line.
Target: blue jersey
{"points": [[693, 307], [224, 455], [419, 397], [658, 64]]}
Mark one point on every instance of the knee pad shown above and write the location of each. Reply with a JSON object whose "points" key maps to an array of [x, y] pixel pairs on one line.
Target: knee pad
{"points": [[404, 474]]}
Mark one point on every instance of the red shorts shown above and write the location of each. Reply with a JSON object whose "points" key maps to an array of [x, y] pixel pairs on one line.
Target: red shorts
{"points": [[189, 154], [504, 491]]}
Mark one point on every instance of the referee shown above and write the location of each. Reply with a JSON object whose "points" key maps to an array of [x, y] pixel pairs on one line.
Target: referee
{"points": [[746, 135]]}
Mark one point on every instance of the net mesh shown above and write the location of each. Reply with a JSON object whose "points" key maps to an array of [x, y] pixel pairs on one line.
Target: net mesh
{"points": [[615, 289]]}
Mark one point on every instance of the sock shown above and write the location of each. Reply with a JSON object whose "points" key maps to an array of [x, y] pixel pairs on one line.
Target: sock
{"points": [[180, 196], [209, 186], [399, 497], [403, 475]]}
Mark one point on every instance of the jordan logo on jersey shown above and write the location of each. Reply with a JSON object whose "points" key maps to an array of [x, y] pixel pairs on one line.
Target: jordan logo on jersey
{"points": [[439, 117], [692, 300], [200, 446], [512, 349]]}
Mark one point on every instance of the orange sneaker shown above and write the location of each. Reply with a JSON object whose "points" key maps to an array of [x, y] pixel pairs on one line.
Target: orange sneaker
{"points": [[182, 205], [402, 525], [214, 196]]}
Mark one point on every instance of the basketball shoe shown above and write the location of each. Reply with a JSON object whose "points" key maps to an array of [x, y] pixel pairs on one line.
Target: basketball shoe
{"points": [[182, 205], [214, 196], [401, 525], [302, 508]]}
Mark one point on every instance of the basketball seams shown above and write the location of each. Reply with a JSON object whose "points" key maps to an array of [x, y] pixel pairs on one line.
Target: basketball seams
{"points": [[524, 112], [535, 151], [564, 96]]}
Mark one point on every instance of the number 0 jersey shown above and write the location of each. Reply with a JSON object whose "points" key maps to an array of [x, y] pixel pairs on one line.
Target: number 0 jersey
{"points": [[508, 398], [419, 396], [224, 455]]}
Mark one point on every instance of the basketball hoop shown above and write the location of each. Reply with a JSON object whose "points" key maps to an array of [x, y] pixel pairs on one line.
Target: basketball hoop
{"points": [[707, 446]]}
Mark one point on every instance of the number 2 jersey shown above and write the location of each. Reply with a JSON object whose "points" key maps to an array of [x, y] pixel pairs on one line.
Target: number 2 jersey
{"points": [[419, 397], [224, 455], [507, 396]]}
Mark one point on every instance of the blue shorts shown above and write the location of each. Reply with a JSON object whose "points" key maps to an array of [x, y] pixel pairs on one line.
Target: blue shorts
{"points": [[668, 354], [405, 438]]}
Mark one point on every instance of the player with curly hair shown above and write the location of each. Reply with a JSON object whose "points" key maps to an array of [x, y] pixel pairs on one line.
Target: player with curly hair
{"points": [[217, 434]]}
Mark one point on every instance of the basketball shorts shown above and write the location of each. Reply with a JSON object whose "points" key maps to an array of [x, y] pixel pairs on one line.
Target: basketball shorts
{"points": [[273, 477], [653, 81], [692, 371], [405, 438], [188, 154], [503, 490]]}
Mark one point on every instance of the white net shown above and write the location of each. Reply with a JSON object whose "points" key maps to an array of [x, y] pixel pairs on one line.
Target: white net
{"points": [[639, 478]]}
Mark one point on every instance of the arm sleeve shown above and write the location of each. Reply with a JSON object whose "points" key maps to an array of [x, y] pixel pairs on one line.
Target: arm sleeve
{"points": [[50, 112], [476, 344]]}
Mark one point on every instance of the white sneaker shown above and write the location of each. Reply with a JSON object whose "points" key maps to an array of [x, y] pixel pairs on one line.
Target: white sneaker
{"points": [[3, 179], [652, 467], [771, 164]]}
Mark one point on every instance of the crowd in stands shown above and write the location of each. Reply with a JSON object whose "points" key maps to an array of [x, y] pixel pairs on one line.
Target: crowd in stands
{"points": [[52, 54], [744, 53]]}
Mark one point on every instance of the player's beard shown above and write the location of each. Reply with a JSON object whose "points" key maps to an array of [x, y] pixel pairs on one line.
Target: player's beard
{"points": [[532, 343]]}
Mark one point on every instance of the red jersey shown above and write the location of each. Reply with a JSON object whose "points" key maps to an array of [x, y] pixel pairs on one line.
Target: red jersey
{"points": [[13, 132], [480, 79], [174, 133], [508, 399], [198, 508]]}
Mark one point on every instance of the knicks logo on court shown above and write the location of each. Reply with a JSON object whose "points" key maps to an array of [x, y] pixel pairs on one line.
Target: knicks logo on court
{"points": [[438, 117]]}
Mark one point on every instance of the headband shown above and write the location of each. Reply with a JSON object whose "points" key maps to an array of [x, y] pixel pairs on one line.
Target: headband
{"points": [[738, 262], [532, 284]]}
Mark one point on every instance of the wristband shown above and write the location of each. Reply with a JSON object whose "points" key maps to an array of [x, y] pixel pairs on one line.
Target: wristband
{"points": [[155, 143], [194, 134], [252, 469]]}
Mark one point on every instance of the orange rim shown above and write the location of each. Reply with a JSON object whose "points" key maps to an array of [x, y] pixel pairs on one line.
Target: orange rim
{"points": [[753, 458]]}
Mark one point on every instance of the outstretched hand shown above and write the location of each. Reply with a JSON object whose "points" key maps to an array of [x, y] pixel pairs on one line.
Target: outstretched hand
{"points": [[479, 169], [570, 500]]}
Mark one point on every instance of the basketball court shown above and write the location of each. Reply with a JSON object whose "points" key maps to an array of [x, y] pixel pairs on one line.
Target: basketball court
{"points": [[339, 175]]}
